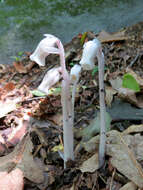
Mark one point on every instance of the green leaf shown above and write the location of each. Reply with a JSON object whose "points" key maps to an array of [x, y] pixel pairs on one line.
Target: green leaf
{"points": [[16, 58], [94, 70], [82, 40], [71, 64], [38, 93], [20, 53], [54, 91], [130, 82]]}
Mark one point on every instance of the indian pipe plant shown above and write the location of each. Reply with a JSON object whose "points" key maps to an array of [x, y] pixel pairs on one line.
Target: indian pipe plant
{"points": [[52, 45], [92, 49]]}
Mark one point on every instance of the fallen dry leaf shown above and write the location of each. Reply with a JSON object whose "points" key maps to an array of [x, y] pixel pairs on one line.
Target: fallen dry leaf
{"points": [[107, 37], [124, 158], [2, 68], [133, 129], [129, 186], [57, 119], [8, 106], [90, 165], [11, 181], [9, 87], [110, 92], [131, 96], [22, 158], [116, 83], [19, 67], [30, 168]]}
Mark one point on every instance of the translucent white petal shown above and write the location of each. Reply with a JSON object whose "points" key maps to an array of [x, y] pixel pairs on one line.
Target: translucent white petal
{"points": [[75, 73], [51, 78], [44, 48], [90, 50]]}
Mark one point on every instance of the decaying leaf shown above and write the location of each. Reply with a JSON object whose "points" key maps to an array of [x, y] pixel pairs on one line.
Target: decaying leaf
{"points": [[90, 165], [57, 119], [116, 83], [129, 186], [22, 158], [131, 96], [11, 181], [107, 37], [92, 144], [9, 87], [29, 167], [110, 92], [123, 157], [8, 106], [20, 68], [133, 129], [2, 68]]}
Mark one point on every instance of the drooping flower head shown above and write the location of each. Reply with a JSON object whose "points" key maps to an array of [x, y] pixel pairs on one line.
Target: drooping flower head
{"points": [[75, 73], [51, 78], [90, 51], [45, 47]]}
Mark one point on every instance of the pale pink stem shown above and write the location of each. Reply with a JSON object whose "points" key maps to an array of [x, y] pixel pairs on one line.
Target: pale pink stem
{"points": [[67, 109]]}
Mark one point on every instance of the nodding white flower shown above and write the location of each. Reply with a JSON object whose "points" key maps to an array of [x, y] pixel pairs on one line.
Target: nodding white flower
{"points": [[75, 73], [51, 44], [74, 78], [51, 78], [90, 51], [44, 48]]}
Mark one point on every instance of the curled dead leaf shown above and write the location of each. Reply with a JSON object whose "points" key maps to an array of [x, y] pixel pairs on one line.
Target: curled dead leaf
{"points": [[110, 92], [90, 165], [11, 181], [131, 96], [107, 37]]}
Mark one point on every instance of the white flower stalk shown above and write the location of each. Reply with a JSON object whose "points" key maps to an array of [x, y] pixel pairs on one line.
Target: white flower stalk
{"points": [[91, 50], [74, 77], [51, 78], [44, 48], [89, 53], [67, 109], [52, 44]]}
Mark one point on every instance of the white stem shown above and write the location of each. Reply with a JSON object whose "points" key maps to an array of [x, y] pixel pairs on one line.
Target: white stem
{"points": [[102, 143], [67, 109], [67, 122], [73, 97]]}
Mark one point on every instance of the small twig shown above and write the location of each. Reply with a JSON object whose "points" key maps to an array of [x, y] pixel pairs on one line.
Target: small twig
{"points": [[113, 174], [34, 98], [134, 60]]}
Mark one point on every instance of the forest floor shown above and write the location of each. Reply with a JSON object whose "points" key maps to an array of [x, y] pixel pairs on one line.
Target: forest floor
{"points": [[31, 134]]}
